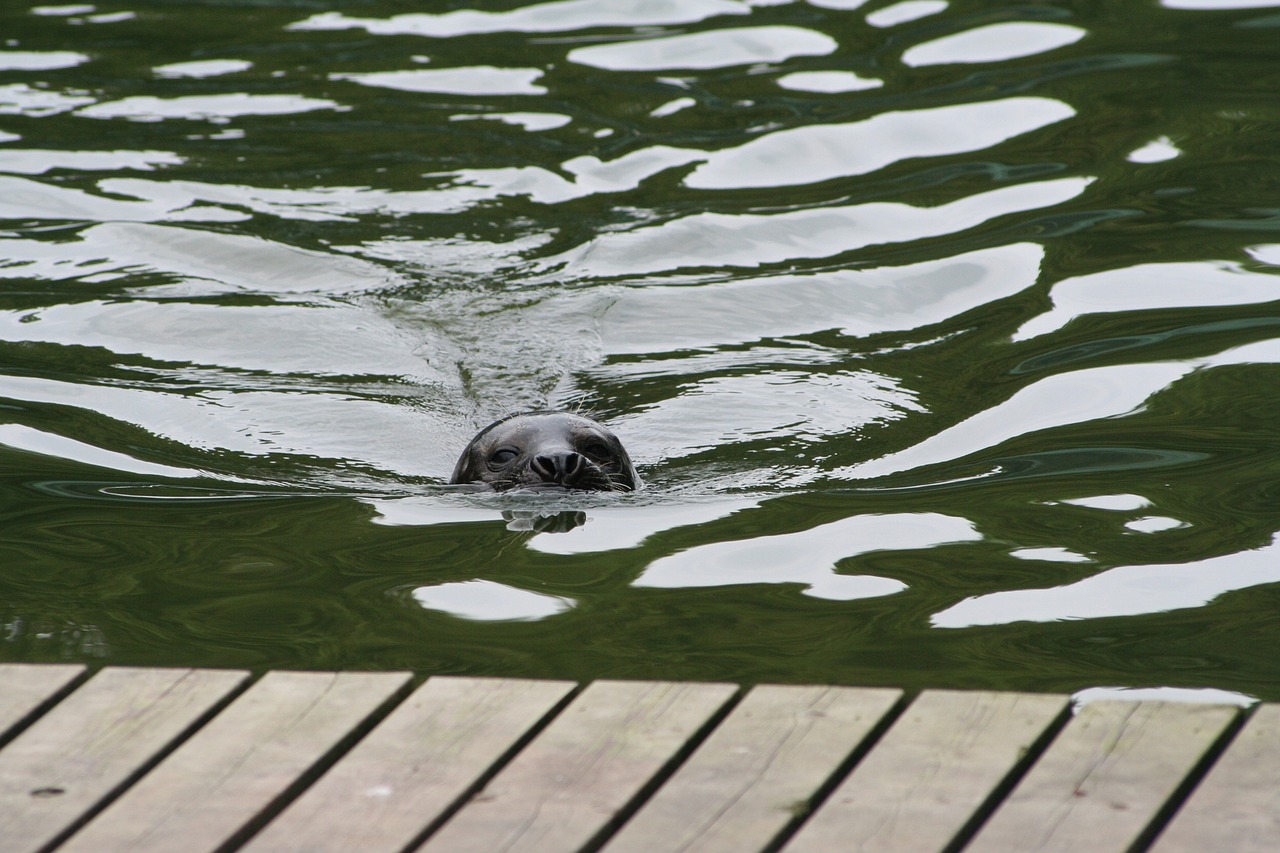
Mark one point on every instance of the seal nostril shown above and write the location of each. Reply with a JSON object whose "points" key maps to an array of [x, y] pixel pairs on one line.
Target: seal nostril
{"points": [[561, 468], [544, 467]]}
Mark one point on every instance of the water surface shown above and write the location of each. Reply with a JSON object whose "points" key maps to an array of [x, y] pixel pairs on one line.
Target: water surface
{"points": [[944, 334]]}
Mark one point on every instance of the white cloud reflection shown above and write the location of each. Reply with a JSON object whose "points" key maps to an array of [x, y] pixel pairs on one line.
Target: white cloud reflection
{"points": [[32, 60], [1155, 151], [809, 557], [1123, 591], [803, 155], [203, 68], [206, 107], [993, 43], [748, 240], [828, 82], [715, 49], [1068, 398], [489, 601], [476, 80], [1147, 287], [901, 13], [562, 16], [859, 302]]}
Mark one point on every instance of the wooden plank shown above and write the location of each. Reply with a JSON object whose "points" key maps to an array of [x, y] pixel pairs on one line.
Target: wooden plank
{"points": [[757, 772], [95, 740], [239, 763], [937, 764], [415, 765], [24, 687], [1104, 778], [583, 768], [1237, 805]]}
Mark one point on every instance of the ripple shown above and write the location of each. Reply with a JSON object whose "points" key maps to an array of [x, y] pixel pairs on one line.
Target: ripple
{"points": [[1181, 285], [202, 68], [40, 161], [1217, 5], [476, 80], [831, 82], [64, 10], [993, 43], [38, 102], [857, 302], [30, 60], [717, 49], [767, 407], [1156, 151], [31, 440], [1111, 503], [1051, 554], [1124, 591], [905, 12], [803, 155], [489, 601], [620, 529], [533, 122], [538, 18], [1155, 524], [206, 107], [244, 342], [21, 198], [1055, 401], [809, 558], [749, 240], [209, 263]]}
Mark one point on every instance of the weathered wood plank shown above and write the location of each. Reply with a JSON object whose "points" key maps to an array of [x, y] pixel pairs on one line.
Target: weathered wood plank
{"points": [[757, 771], [923, 781], [417, 763], [239, 763], [583, 768], [1102, 780], [93, 741], [1237, 805], [25, 686]]}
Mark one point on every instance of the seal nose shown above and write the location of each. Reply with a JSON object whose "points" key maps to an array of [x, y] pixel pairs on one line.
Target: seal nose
{"points": [[563, 467]]}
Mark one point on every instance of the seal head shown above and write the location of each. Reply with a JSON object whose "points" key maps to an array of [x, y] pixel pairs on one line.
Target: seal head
{"points": [[547, 449]]}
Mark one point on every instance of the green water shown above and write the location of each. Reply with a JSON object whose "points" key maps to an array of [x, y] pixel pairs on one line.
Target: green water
{"points": [[945, 337]]}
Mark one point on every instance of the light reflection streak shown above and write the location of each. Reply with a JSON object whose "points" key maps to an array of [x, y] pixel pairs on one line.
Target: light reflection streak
{"points": [[993, 43], [810, 557], [820, 152], [715, 49], [1123, 591], [560, 16]]}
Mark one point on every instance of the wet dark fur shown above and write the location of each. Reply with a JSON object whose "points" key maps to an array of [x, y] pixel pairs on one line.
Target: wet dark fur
{"points": [[547, 449]]}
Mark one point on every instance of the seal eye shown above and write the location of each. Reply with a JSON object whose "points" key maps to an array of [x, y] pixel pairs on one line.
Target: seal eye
{"points": [[503, 455], [598, 450]]}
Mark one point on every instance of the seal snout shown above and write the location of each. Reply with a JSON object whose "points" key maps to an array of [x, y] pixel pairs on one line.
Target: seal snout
{"points": [[564, 467]]}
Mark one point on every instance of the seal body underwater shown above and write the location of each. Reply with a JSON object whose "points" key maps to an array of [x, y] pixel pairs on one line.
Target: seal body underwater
{"points": [[547, 449]]}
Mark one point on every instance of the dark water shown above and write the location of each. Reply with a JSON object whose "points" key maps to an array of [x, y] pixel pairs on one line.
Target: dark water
{"points": [[945, 335]]}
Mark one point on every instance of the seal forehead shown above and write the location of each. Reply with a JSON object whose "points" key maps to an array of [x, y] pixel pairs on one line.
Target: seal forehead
{"points": [[545, 424]]}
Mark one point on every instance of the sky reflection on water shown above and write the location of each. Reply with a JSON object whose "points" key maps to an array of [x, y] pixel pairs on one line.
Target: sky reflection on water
{"points": [[916, 317]]}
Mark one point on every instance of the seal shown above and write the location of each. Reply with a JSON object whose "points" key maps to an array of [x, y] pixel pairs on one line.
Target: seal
{"points": [[547, 449]]}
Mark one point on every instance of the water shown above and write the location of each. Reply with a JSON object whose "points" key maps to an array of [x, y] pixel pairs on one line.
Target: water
{"points": [[944, 335]]}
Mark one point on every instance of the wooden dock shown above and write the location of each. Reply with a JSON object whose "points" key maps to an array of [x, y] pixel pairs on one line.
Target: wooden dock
{"points": [[192, 760]]}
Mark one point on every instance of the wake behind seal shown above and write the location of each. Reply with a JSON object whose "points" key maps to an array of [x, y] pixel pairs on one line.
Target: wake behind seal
{"points": [[547, 449]]}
